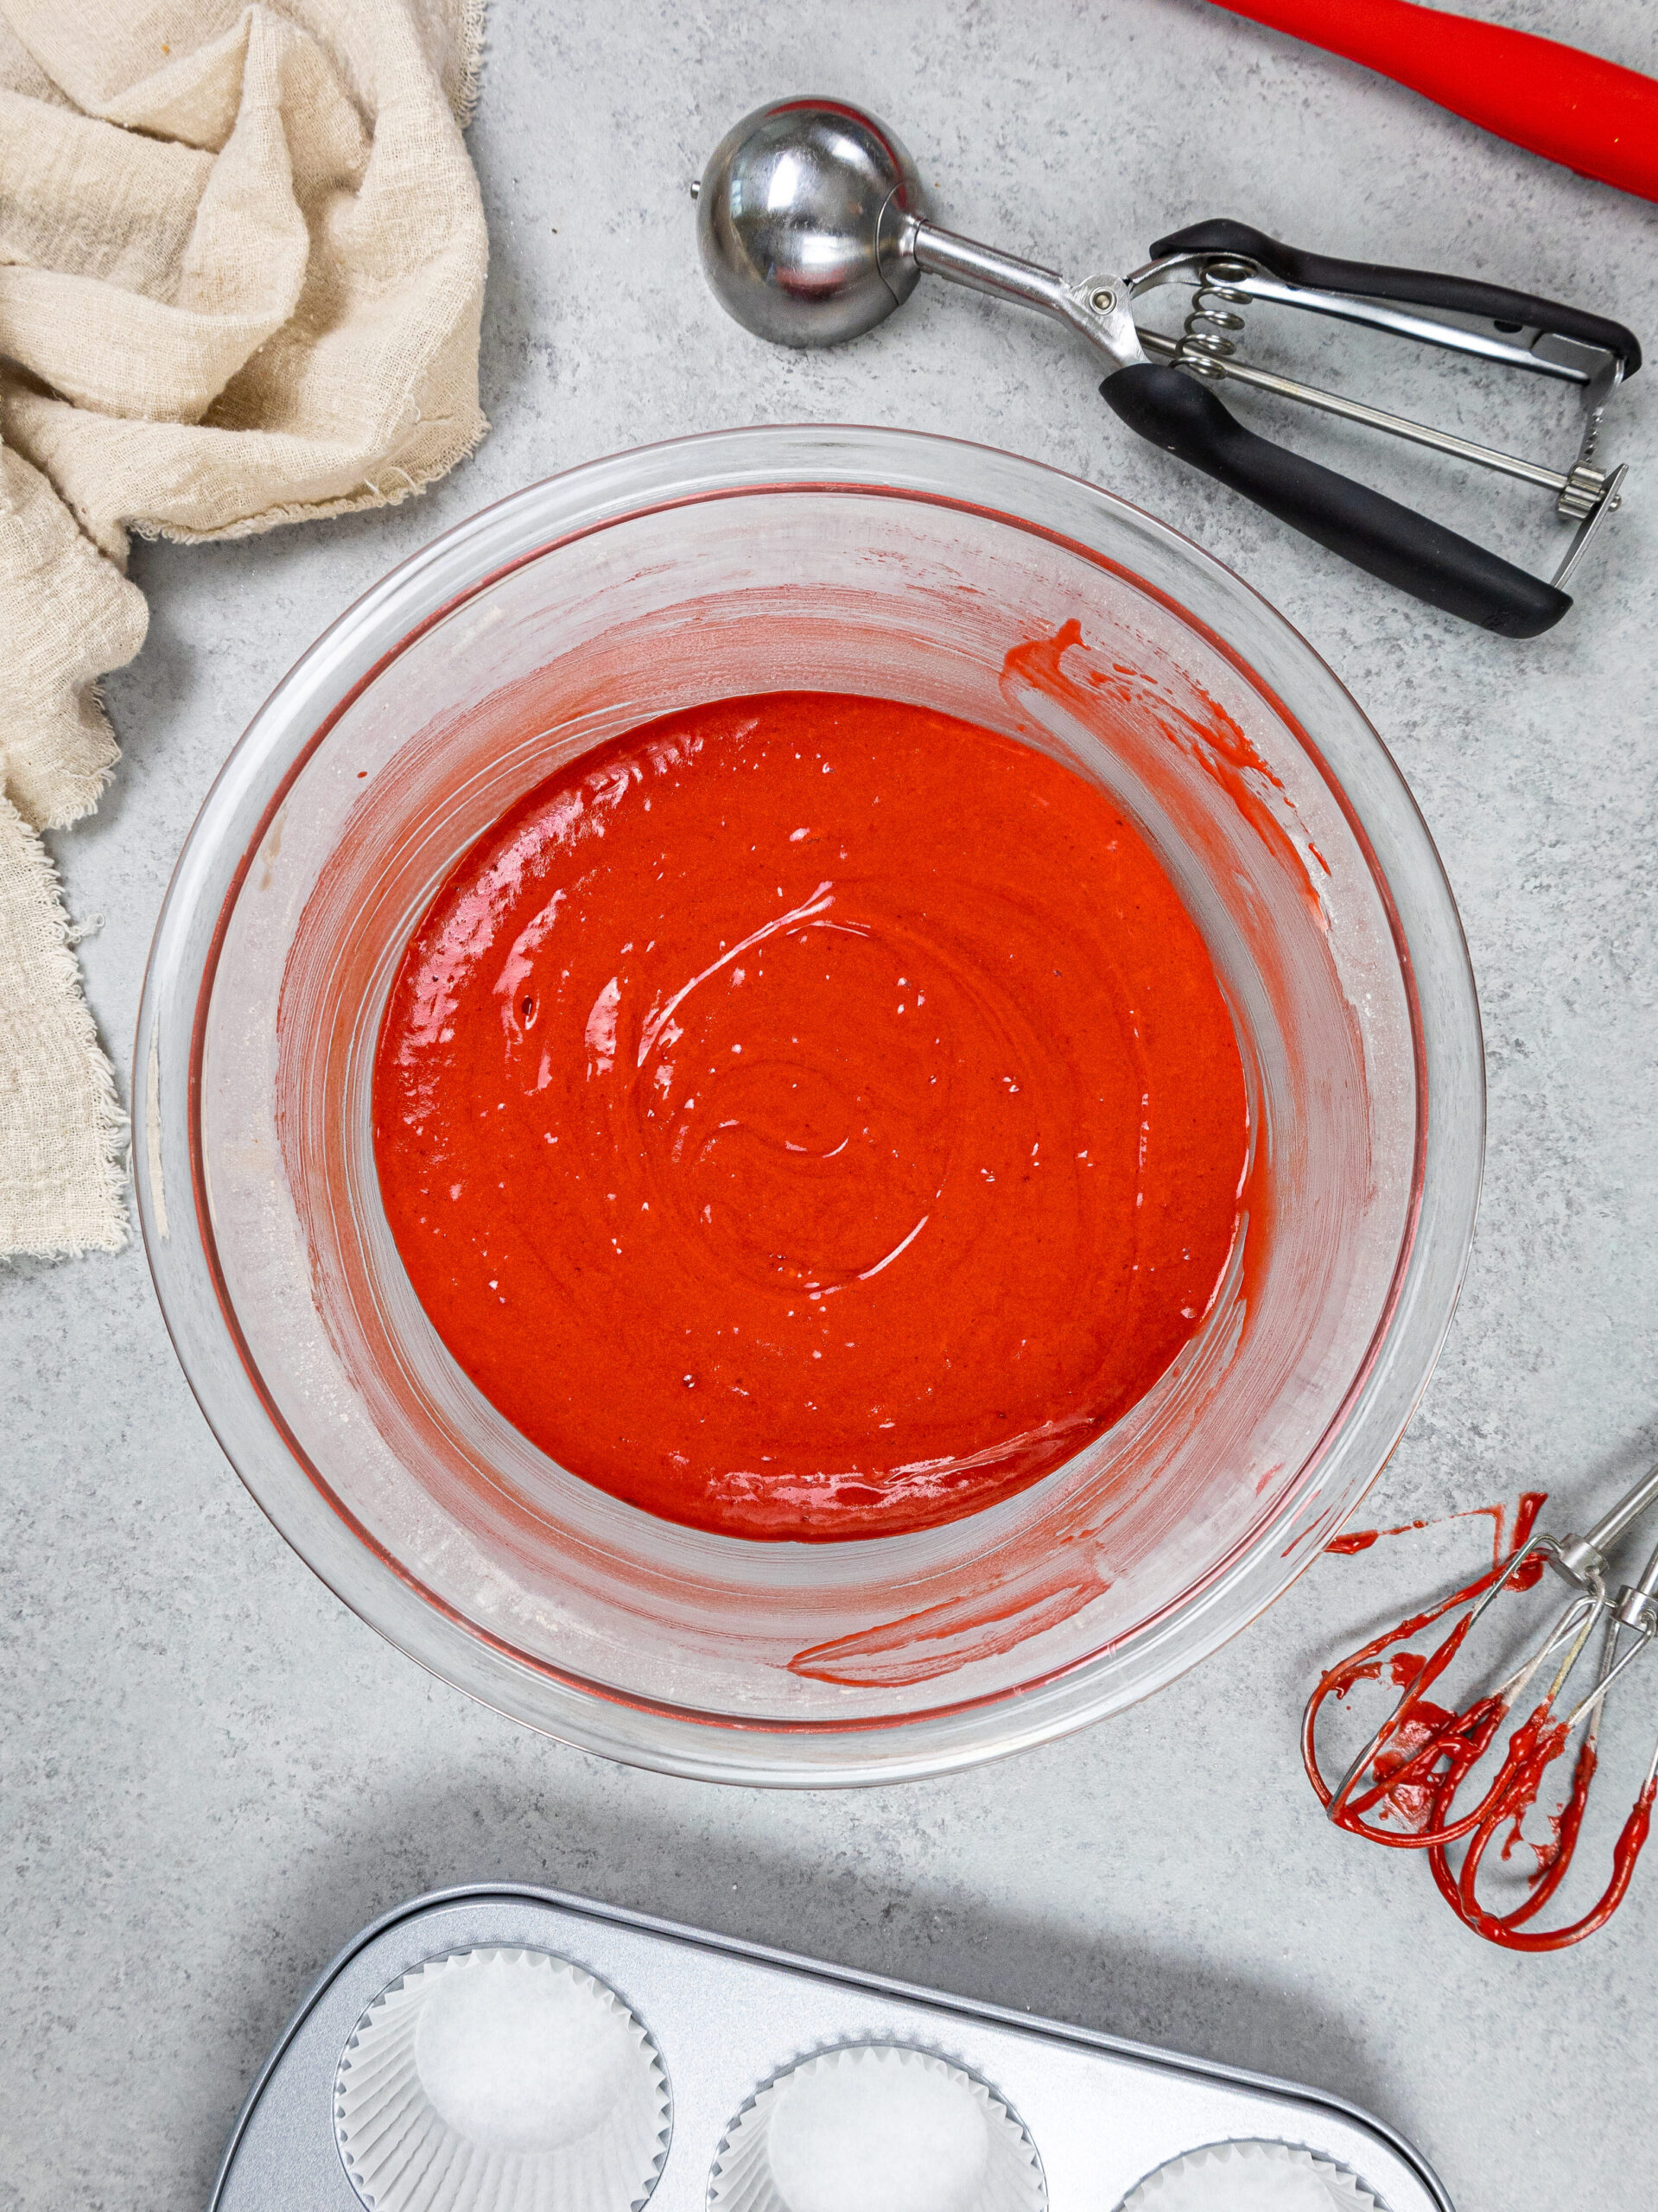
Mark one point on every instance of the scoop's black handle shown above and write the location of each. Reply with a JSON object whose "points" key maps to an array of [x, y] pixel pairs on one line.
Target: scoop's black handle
{"points": [[1419, 556], [1417, 288]]}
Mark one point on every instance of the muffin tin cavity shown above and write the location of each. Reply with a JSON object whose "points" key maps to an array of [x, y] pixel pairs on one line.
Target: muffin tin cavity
{"points": [[876, 2128], [1250, 2176], [494, 2076]]}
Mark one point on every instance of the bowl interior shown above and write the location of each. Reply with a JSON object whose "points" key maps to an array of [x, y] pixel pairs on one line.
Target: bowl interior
{"points": [[1120, 1565]]}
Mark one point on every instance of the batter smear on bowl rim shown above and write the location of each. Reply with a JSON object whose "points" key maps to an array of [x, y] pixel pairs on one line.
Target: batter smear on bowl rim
{"points": [[809, 1116]]}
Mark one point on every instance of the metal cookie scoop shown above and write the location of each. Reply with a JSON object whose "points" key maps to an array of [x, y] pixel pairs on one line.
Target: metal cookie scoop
{"points": [[813, 227]]}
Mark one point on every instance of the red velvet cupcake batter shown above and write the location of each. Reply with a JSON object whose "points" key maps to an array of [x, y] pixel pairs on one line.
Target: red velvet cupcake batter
{"points": [[810, 1116]]}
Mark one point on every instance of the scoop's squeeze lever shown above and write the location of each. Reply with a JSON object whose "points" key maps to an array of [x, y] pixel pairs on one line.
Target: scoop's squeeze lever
{"points": [[813, 226]]}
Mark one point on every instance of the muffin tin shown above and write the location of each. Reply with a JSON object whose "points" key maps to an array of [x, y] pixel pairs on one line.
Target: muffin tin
{"points": [[719, 2044]]}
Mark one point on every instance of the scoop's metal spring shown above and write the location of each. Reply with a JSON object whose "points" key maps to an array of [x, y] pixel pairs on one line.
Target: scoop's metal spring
{"points": [[1209, 330]]}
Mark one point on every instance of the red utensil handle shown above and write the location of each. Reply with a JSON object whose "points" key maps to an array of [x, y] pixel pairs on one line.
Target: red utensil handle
{"points": [[1571, 106]]}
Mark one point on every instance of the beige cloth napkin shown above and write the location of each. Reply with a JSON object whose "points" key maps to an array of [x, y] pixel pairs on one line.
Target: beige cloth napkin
{"points": [[242, 261]]}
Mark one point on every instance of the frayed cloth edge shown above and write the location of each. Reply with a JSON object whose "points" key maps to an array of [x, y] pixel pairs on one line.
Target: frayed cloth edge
{"points": [[62, 974]]}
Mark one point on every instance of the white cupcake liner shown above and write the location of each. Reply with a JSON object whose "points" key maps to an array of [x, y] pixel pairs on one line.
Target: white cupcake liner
{"points": [[1250, 2176], [876, 2128], [493, 2078]]}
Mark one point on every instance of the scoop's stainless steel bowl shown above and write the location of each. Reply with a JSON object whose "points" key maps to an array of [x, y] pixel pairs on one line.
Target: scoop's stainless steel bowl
{"points": [[801, 217]]}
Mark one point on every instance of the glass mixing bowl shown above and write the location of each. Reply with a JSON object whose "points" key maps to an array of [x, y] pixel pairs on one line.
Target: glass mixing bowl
{"points": [[839, 559]]}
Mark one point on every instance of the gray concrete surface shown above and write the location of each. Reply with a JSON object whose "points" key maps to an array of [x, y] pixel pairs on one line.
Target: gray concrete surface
{"points": [[214, 1774]]}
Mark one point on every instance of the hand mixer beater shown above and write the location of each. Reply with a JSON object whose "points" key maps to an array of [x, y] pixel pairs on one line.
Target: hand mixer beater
{"points": [[1402, 1789]]}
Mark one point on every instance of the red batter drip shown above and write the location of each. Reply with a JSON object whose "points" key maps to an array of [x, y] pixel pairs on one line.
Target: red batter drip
{"points": [[812, 1116]]}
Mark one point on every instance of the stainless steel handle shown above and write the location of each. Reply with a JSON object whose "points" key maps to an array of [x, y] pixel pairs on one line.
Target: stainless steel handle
{"points": [[1096, 310], [1611, 1525]]}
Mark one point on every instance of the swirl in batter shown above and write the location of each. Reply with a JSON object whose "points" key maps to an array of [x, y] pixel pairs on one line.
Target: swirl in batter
{"points": [[812, 1116]]}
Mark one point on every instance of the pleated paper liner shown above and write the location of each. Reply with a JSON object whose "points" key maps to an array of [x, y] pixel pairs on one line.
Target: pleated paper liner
{"points": [[493, 2078], [1250, 2176], [876, 2128]]}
